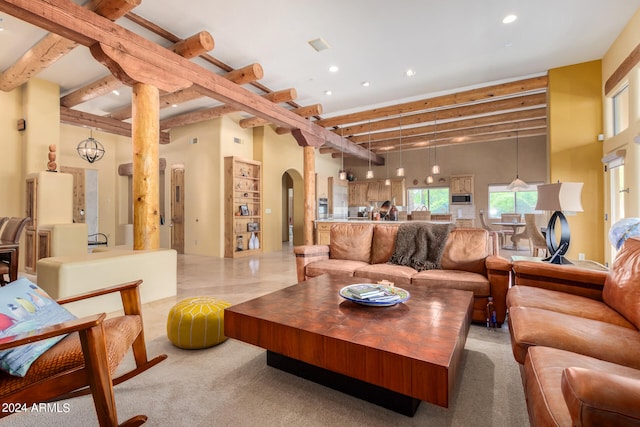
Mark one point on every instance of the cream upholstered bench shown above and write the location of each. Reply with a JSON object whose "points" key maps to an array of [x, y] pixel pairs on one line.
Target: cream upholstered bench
{"points": [[71, 275]]}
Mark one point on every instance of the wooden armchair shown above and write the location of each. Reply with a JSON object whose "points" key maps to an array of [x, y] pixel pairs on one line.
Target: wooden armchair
{"points": [[10, 247], [84, 361]]}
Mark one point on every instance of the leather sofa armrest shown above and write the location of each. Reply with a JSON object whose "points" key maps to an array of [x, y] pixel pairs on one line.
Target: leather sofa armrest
{"points": [[597, 398], [306, 254], [498, 273], [563, 278]]}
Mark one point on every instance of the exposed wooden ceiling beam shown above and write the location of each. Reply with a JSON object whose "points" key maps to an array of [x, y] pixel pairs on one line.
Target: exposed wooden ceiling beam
{"points": [[308, 111], [188, 48], [137, 56], [53, 46], [116, 127], [240, 76], [221, 110], [513, 116], [474, 95]]}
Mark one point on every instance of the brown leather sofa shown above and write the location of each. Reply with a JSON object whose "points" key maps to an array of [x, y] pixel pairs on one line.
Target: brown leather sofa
{"points": [[470, 262], [575, 334]]}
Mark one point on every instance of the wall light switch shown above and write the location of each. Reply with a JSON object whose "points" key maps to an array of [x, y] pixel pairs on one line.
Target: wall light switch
{"points": [[267, 210]]}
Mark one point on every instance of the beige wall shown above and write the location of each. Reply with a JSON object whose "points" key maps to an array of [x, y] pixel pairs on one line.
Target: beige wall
{"points": [[12, 171]]}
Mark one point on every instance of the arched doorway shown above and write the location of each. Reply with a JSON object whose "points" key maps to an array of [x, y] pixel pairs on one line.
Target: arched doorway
{"points": [[292, 207]]}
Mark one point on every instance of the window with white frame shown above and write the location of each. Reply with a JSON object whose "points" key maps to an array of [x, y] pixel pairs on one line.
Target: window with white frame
{"points": [[621, 109], [502, 200], [435, 199]]}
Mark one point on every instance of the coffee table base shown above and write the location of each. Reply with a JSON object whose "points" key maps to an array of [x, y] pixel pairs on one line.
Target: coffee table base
{"points": [[377, 395]]}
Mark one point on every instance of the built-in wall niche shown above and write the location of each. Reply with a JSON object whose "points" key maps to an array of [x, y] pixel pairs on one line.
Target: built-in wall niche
{"points": [[126, 169], [85, 196]]}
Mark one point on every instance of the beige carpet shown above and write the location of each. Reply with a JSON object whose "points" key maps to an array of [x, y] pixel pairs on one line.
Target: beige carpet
{"points": [[230, 385]]}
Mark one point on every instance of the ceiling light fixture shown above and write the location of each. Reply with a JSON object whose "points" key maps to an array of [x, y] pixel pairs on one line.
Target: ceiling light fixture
{"points": [[319, 44], [517, 184], [387, 181], [90, 149], [115, 92], [509, 19], [369, 172], [366, 84], [333, 69], [429, 179], [435, 169], [400, 170], [410, 72], [328, 92]]}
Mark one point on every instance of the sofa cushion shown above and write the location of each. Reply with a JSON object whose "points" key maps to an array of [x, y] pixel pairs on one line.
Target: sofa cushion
{"points": [[537, 327], [542, 379], [466, 249], [454, 279], [398, 274], [336, 267], [351, 242], [622, 286], [384, 243], [562, 302]]}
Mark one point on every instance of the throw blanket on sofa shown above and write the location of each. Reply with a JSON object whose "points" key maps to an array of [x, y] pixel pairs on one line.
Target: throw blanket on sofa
{"points": [[420, 245]]}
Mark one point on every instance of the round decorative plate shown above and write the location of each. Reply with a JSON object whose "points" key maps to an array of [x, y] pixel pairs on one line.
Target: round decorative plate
{"points": [[388, 295]]}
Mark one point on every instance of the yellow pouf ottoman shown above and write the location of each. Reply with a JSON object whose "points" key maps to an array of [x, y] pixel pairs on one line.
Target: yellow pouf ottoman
{"points": [[197, 322]]}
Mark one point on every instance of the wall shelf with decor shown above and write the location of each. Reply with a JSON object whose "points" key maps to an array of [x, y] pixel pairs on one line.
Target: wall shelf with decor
{"points": [[243, 207]]}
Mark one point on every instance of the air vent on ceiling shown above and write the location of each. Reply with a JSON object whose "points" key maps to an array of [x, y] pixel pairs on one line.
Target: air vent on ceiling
{"points": [[319, 44]]}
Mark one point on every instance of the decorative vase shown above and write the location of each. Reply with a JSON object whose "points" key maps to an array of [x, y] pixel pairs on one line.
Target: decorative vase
{"points": [[256, 243], [252, 241]]}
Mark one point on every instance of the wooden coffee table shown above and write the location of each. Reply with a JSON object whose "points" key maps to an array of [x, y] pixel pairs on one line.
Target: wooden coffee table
{"points": [[393, 356]]}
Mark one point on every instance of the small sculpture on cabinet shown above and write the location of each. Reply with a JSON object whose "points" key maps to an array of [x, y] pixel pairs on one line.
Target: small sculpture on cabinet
{"points": [[52, 166]]}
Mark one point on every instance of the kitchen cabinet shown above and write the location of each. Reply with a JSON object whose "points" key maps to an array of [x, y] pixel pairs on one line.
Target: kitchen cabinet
{"points": [[358, 193], [323, 233], [243, 207], [372, 191], [364, 193], [398, 193], [461, 184]]}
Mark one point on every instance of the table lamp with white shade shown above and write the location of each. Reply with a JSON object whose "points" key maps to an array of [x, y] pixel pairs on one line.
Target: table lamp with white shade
{"points": [[559, 197]]}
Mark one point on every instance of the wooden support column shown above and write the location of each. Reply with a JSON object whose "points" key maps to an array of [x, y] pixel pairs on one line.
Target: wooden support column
{"points": [[309, 193], [146, 132], [309, 143]]}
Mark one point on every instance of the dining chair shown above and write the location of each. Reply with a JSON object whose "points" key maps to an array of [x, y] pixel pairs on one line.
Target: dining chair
{"points": [[3, 219], [11, 237], [509, 217], [500, 233], [537, 242]]}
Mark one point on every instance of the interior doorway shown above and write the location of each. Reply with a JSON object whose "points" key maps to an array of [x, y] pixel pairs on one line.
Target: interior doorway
{"points": [[85, 197], [292, 207], [177, 208]]}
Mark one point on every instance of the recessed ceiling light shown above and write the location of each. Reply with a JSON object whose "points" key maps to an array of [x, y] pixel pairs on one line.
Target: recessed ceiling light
{"points": [[333, 68], [410, 72], [509, 19], [174, 105], [366, 83], [328, 92], [115, 92]]}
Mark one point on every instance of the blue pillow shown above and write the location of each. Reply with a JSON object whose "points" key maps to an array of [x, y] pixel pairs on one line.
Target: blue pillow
{"points": [[25, 307]]}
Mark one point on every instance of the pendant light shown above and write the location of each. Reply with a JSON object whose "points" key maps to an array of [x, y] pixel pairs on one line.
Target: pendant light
{"points": [[517, 184], [429, 179], [435, 169], [343, 173], [400, 170], [387, 181], [369, 172], [90, 149]]}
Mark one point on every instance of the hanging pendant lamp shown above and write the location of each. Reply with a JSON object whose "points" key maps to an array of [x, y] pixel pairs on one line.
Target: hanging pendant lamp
{"points": [[435, 169], [400, 170], [517, 184], [369, 172], [343, 173], [90, 149]]}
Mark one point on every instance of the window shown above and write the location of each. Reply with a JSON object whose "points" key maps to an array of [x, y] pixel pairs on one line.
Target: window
{"points": [[502, 200], [621, 110], [435, 199]]}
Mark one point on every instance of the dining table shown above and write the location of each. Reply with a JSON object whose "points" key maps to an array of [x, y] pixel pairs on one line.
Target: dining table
{"points": [[515, 236], [9, 253]]}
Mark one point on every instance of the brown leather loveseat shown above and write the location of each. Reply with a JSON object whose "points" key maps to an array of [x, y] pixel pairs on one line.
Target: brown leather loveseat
{"points": [[469, 262], [575, 334]]}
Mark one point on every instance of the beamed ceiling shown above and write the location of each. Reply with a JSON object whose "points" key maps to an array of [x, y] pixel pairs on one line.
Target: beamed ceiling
{"points": [[478, 113]]}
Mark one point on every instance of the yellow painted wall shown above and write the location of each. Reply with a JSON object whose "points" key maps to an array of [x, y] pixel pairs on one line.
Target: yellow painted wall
{"points": [[575, 121], [40, 102]]}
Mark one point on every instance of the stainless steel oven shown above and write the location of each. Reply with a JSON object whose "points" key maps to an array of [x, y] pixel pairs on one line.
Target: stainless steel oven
{"points": [[323, 208]]}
